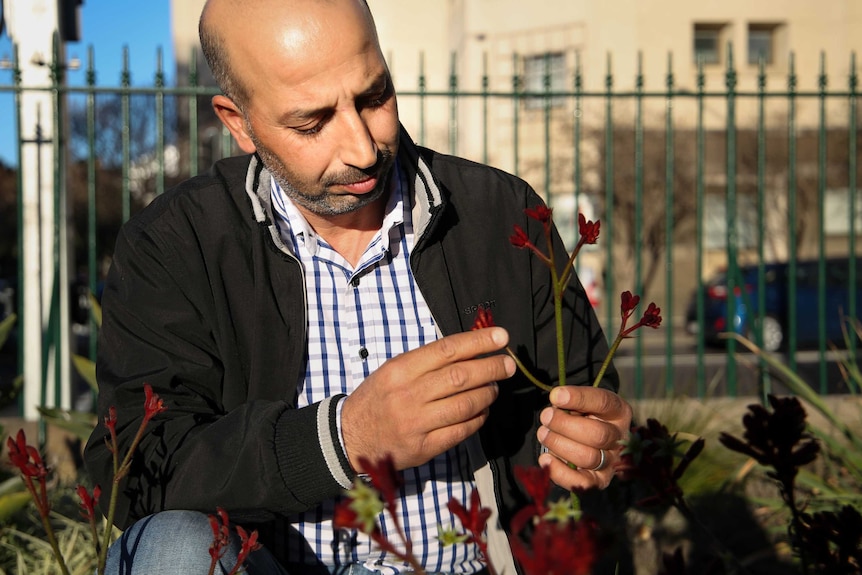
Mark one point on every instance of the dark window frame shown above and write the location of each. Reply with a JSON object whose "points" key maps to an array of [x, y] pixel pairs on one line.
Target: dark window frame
{"points": [[534, 78], [706, 42], [764, 37]]}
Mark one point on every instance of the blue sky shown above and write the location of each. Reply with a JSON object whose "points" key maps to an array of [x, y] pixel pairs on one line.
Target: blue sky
{"points": [[107, 26]]}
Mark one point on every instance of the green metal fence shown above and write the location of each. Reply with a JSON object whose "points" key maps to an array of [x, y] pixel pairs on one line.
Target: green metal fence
{"points": [[653, 179]]}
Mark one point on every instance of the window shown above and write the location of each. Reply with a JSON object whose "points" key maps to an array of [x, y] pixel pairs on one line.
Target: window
{"points": [[536, 68], [761, 42], [715, 222], [837, 213], [707, 43]]}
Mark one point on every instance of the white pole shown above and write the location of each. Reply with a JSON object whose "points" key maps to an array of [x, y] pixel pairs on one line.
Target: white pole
{"points": [[32, 26]]}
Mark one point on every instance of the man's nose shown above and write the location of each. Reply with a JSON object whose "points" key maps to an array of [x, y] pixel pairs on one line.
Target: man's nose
{"points": [[358, 148]]}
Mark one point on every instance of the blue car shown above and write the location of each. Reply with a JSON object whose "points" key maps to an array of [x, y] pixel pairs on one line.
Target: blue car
{"points": [[776, 314]]}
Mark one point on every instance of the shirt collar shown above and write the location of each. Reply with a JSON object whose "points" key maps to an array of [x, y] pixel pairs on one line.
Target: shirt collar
{"points": [[295, 229]]}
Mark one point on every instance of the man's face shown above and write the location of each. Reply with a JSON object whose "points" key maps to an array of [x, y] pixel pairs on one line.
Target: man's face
{"points": [[322, 114]]}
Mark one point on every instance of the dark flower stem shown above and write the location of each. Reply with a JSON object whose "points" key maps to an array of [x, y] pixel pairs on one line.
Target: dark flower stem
{"points": [[717, 546], [408, 546], [796, 523]]}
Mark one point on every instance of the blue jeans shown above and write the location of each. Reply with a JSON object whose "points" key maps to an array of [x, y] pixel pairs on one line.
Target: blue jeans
{"points": [[178, 542]]}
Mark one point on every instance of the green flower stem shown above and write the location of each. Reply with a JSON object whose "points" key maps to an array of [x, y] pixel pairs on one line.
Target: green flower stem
{"points": [[94, 530], [120, 471], [112, 506], [558, 317], [558, 308], [523, 369], [52, 540], [611, 352], [570, 265], [44, 511]]}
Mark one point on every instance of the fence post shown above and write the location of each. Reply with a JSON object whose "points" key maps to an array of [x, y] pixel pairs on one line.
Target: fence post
{"points": [[92, 265], [638, 231], [821, 221], [730, 218], [609, 200], [791, 213], [700, 373], [763, 382], [852, 192]]}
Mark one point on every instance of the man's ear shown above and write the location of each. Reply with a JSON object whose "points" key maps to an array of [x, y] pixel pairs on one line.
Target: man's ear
{"points": [[234, 120]]}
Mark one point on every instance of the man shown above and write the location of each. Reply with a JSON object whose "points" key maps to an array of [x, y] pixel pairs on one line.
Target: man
{"points": [[308, 307]]}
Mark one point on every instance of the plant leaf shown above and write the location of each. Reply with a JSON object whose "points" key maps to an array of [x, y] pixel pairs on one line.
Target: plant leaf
{"points": [[12, 503], [79, 423], [86, 368], [6, 328], [95, 309]]}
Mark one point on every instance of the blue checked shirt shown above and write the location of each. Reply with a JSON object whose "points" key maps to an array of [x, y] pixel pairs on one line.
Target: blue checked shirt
{"points": [[357, 319]]}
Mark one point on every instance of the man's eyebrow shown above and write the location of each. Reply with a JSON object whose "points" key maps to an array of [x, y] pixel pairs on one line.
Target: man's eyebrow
{"points": [[380, 84], [303, 116]]}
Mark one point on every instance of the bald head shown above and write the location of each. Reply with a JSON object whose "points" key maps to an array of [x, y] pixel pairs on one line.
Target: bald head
{"points": [[239, 38]]}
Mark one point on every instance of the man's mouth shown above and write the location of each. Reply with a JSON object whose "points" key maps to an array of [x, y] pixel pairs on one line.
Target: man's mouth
{"points": [[361, 186]]}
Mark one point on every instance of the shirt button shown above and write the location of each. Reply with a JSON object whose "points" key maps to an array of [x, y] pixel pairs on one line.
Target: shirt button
{"points": [[355, 282], [363, 353]]}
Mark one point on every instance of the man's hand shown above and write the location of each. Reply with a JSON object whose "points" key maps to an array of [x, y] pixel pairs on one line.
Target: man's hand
{"points": [[583, 426], [423, 402]]}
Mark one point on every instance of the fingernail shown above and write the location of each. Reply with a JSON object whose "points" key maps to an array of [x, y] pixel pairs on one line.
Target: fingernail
{"points": [[510, 366], [542, 433], [500, 336], [560, 395], [546, 416]]}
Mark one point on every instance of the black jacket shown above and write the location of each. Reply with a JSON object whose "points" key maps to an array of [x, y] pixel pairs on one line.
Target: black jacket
{"points": [[203, 304]]}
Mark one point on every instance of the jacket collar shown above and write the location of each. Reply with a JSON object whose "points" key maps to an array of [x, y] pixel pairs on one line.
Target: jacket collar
{"points": [[425, 195], [427, 199]]}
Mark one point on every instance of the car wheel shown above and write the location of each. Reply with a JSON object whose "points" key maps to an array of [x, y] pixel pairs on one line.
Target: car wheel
{"points": [[773, 334]]}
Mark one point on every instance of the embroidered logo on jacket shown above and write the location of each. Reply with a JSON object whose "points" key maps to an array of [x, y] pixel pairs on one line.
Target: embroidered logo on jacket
{"points": [[487, 304]]}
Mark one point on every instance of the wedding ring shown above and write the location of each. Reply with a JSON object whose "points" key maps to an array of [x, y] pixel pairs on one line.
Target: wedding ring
{"points": [[602, 462]]}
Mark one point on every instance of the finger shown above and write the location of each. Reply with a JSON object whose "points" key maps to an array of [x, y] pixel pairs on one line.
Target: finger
{"points": [[463, 406], [576, 428], [469, 374], [596, 401], [447, 437], [454, 348], [572, 479]]}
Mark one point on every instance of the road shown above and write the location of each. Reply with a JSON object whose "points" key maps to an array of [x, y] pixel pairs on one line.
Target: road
{"points": [[712, 366]]}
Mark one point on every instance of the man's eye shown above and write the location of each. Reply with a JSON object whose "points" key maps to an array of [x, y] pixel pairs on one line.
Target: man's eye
{"points": [[377, 102], [315, 129], [379, 99], [311, 129]]}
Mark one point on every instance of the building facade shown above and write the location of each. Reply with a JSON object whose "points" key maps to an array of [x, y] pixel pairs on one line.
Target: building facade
{"points": [[596, 105]]}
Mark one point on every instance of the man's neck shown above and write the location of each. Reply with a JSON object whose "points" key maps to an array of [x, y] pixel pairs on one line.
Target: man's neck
{"points": [[349, 234]]}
